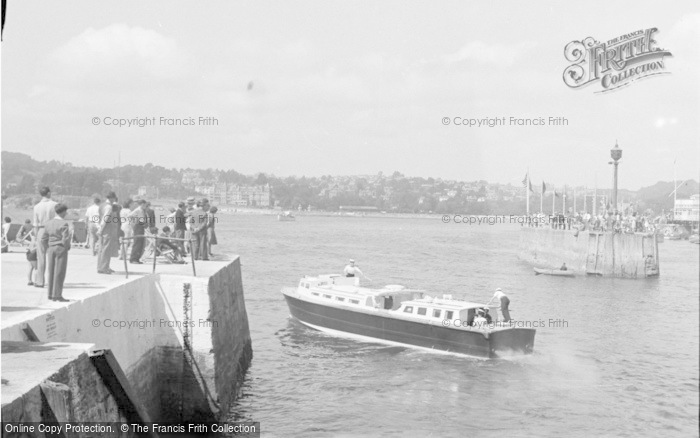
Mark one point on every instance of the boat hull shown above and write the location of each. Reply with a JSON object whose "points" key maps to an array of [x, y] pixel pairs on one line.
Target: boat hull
{"points": [[411, 333], [555, 272]]}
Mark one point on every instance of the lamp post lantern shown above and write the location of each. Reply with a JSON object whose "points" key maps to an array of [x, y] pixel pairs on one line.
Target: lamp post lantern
{"points": [[615, 154]]}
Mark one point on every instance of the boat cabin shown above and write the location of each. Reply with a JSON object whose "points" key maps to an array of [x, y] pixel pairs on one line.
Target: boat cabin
{"points": [[442, 309], [415, 304], [347, 290]]}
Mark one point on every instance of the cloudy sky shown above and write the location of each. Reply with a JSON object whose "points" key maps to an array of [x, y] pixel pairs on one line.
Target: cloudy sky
{"points": [[314, 88]]}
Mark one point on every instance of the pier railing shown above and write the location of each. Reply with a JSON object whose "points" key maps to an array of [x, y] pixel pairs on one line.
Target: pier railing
{"points": [[155, 249]]}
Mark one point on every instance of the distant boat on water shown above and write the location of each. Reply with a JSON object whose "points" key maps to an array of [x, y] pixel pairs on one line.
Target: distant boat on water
{"points": [[555, 272], [287, 216]]}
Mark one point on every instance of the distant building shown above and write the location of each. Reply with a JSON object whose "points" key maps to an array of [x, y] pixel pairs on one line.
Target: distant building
{"points": [[168, 182], [191, 177], [333, 192], [234, 194], [357, 208], [687, 209], [148, 192]]}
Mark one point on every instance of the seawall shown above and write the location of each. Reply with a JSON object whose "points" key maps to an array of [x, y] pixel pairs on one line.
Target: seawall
{"points": [[605, 254], [181, 342]]}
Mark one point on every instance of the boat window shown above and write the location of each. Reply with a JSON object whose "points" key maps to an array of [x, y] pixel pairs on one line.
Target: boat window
{"points": [[340, 298], [354, 301], [314, 293], [326, 296], [306, 285], [449, 314], [422, 310], [408, 309], [436, 313]]}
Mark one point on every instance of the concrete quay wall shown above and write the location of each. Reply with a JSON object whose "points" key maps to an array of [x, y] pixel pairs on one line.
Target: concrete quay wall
{"points": [[52, 382], [605, 254], [182, 342]]}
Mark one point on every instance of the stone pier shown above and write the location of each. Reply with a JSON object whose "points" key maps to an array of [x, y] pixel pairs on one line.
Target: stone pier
{"points": [[605, 254], [176, 345]]}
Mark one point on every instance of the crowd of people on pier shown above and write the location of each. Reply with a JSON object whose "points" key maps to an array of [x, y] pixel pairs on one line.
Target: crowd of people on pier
{"points": [[606, 221], [128, 231]]}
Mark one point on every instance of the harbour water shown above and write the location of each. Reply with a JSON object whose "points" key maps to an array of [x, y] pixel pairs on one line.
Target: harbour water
{"points": [[613, 357]]}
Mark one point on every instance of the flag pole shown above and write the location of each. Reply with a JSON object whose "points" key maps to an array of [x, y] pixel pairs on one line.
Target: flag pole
{"points": [[554, 196], [675, 189], [563, 202], [595, 197], [527, 193], [542, 199]]}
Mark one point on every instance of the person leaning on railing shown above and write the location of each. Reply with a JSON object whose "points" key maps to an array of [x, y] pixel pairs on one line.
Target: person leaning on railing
{"points": [[180, 225], [200, 223], [126, 230]]}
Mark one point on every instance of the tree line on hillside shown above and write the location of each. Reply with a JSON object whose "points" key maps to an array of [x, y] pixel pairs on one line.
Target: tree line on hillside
{"points": [[21, 175]]}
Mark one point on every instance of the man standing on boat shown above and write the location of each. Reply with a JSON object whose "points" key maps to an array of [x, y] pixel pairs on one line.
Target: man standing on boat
{"points": [[504, 303], [352, 271]]}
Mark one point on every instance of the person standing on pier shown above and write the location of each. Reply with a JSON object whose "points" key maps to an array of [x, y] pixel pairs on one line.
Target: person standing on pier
{"points": [[504, 303], [56, 238], [43, 212], [150, 216], [211, 229], [92, 219], [137, 220], [109, 234], [191, 204], [199, 225], [180, 226], [127, 231]]}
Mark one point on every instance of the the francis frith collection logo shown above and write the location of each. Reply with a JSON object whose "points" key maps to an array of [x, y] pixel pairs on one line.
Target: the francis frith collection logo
{"points": [[615, 63]]}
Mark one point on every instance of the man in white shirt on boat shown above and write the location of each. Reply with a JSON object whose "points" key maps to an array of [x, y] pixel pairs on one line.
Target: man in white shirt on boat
{"points": [[353, 271], [504, 303]]}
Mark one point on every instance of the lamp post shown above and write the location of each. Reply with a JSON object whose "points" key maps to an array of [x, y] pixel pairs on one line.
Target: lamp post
{"points": [[615, 154]]}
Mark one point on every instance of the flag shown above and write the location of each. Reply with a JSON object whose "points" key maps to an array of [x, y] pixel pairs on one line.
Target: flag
{"points": [[557, 194], [525, 180], [530, 182], [544, 188]]}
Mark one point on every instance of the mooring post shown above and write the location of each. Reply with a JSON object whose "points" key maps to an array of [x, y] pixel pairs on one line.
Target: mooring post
{"points": [[194, 270], [155, 250], [126, 268]]}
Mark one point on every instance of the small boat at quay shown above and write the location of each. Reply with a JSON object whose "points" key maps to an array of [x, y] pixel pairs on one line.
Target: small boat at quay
{"points": [[396, 315], [555, 272], [287, 216]]}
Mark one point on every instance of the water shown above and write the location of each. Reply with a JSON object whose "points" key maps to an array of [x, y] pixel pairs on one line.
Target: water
{"points": [[622, 362]]}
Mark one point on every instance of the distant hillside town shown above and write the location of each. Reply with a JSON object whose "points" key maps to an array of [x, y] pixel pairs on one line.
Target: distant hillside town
{"points": [[21, 175]]}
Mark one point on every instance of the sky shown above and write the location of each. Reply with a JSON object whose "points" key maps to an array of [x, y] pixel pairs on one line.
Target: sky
{"points": [[315, 88]]}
